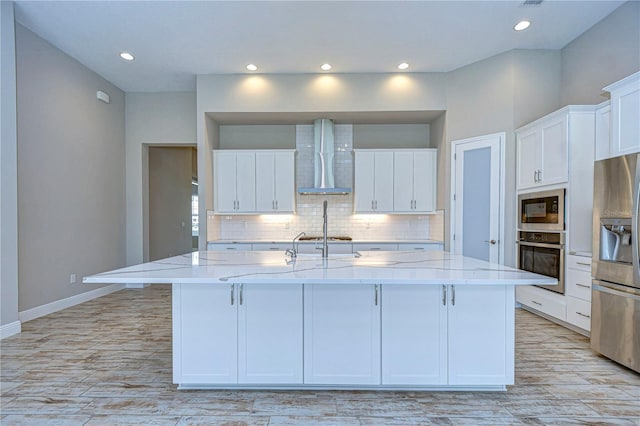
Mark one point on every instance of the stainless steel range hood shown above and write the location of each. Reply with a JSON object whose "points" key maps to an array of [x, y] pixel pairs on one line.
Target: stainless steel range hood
{"points": [[323, 161]]}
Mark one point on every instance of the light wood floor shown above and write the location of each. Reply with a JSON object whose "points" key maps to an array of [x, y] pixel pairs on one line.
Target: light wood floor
{"points": [[108, 362]]}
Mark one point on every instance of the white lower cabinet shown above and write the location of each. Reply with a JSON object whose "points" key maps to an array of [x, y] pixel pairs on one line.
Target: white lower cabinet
{"points": [[414, 335], [229, 334], [205, 334], [270, 333], [481, 334], [342, 334]]}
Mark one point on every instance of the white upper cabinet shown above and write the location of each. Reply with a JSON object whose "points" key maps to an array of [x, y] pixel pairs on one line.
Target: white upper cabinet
{"points": [[625, 124], [414, 184], [543, 151], [603, 131], [275, 179], [373, 181], [234, 181]]}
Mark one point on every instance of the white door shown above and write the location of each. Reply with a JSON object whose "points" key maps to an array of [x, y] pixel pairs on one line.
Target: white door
{"points": [[403, 181], [384, 181], [477, 200], [246, 181], [205, 344], [284, 181], [270, 333], [414, 335], [481, 334], [341, 334], [424, 178], [364, 175], [225, 181], [265, 176]]}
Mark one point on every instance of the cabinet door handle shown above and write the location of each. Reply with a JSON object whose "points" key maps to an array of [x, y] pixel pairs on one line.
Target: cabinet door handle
{"points": [[444, 295], [583, 285], [232, 291], [453, 295], [583, 263], [535, 176], [376, 295], [241, 294], [371, 204], [539, 175], [276, 204], [376, 204], [238, 204], [536, 303]]}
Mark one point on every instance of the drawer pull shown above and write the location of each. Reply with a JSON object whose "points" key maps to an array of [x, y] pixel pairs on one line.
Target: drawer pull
{"points": [[418, 248], [375, 248], [583, 285], [275, 248], [583, 264], [537, 303], [231, 248], [583, 315]]}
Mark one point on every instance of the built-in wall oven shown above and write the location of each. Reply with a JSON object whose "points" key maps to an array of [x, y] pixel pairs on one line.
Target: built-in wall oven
{"points": [[543, 253], [541, 211]]}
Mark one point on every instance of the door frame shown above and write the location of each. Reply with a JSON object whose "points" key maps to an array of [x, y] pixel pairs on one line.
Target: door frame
{"points": [[501, 197]]}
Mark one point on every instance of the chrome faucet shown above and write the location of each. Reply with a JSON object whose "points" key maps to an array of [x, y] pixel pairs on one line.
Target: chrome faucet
{"points": [[325, 246], [292, 251]]}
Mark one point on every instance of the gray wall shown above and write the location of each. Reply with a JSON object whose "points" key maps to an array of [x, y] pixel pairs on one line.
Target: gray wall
{"points": [[258, 137], [71, 187], [152, 119], [490, 96], [438, 139], [170, 173], [8, 170], [391, 136], [606, 53]]}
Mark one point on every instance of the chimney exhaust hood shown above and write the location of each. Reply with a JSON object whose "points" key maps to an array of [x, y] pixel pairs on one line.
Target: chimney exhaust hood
{"points": [[323, 161]]}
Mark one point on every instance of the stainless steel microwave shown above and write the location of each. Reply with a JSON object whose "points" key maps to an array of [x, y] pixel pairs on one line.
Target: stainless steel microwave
{"points": [[541, 211]]}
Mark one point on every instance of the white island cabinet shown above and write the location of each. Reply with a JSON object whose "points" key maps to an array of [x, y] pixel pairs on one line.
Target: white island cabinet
{"points": [[373, 320], [341, 334], [237, 333]]}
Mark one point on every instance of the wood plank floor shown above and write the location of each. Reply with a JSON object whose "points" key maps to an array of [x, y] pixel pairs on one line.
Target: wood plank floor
{"points": [[108, 362]]}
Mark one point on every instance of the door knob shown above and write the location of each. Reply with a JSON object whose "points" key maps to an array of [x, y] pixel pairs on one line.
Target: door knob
{"points": [[491, 241]]}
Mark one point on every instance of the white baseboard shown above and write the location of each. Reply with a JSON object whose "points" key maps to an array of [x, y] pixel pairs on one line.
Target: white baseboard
{"points": [[58, 305], [10, 329]]}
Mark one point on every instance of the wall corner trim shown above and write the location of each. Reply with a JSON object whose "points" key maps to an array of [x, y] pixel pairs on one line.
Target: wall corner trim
{"points": [[58, 305], [10, 329]]}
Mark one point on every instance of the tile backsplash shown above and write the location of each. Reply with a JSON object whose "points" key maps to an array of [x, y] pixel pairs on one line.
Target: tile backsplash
{"points": [[341, 219]]}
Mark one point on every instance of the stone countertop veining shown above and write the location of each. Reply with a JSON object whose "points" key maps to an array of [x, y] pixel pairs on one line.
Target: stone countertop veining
{"points": [[355, 241], [385, 267]]}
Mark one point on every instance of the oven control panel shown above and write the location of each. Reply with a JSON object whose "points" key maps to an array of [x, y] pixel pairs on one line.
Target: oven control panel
{"points": [[542, 237]]}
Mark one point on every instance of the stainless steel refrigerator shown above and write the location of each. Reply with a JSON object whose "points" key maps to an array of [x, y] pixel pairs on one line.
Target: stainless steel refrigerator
{"points": [[615, 304]]}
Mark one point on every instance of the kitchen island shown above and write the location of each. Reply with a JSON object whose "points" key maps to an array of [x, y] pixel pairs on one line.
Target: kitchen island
{"points": [[381, 320]]}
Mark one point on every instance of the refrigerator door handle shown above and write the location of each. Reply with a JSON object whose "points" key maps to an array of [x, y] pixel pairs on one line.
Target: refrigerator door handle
{"points": [[604, 288], [636, 227]]}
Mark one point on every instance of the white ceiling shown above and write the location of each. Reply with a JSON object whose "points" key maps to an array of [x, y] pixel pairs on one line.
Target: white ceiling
{"points": [[173, 41]]}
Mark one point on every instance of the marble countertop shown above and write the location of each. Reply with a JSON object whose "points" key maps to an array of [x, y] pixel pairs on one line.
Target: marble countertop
{"points": [[384, 267], [253, 241]]}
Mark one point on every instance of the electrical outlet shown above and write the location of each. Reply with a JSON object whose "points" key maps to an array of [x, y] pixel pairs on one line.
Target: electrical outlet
{"points": [[72, 279]]}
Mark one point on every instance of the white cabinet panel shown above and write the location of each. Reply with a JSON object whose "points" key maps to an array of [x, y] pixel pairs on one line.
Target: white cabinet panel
{"points": [[603, 132], [271, 247], [414, 338], [625, 110], [228, 246], [375, 247], [234, 181], [373, 172], [205, 334], [414, 181], [480, 327], [341, 334], [543, 300], [555, 162], [528, 158], [275, 180], [270, 333], [421, 247], [579, 313]]}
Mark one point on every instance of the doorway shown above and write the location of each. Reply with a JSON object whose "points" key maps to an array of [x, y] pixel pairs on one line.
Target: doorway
{"points": [[172, 177], [477, 199]]}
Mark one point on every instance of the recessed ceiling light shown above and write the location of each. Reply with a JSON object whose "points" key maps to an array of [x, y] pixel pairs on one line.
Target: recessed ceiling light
{"points": [[522, 25], [127, 56], [326, 67], [403, 66], [252, 67]]}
